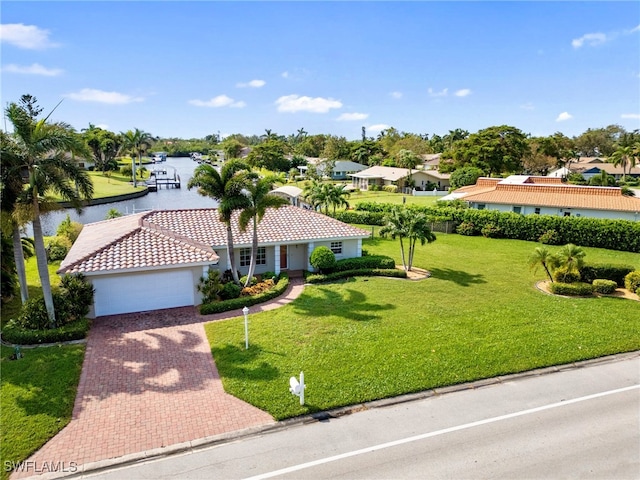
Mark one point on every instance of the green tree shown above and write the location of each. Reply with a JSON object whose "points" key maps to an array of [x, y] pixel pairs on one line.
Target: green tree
{"points": [[542, 257], [271, 155], [136, 142], [465, 176], [602, 179], [226, 187], [257, 191], [231, 148], [104, 145], [43, 149], [599, 141], [624, 156], [336, 196], [404, 224], [408, 159], [570, 257], [335, 148]]}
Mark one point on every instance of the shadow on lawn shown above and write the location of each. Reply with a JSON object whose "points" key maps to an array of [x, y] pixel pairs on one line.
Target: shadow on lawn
{"points": [[349, 304], [234, 361], [460, 277]]}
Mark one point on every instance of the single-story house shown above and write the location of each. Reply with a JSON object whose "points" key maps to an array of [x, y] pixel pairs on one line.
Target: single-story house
{"points": [[382, 176], [154, 260], [289, 192], [590, 167], [333, 169], [528, 194]]}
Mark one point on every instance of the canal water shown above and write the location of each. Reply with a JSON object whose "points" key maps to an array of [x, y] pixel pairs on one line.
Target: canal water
{"points": [[164, 198]]}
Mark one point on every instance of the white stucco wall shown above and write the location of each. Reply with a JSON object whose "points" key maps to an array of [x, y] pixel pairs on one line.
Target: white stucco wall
{"points": [[574, 212]]}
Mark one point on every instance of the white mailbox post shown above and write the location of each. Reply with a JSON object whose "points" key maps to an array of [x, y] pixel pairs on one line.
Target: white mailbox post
{"points": [[245, 310], [297, 388]]}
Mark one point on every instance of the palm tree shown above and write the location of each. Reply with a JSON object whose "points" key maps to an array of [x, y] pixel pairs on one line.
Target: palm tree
{"points": [[42, 148], [136, 142], [336, 196], [226, 188], [259, 196], [542, 257], [315, 194], [402, 223], [571, 257], [407, 159], [623, 156]]}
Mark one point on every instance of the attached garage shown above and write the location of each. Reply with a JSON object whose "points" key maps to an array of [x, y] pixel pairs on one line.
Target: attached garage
{"points": [[128, 293]]}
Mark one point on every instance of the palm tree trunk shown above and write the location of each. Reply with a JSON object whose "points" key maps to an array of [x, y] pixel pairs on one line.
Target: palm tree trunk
{"points": [[133, 171], [230, 254], [18, 256], [404, 263], [412, 247], [41, 259], [254, 252]]}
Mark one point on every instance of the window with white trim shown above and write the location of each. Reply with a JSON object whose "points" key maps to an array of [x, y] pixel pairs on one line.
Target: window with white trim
{"points": [[245, 256], [336, 248]]}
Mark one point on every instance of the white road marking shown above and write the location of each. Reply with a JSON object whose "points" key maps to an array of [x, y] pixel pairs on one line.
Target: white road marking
{"points": [[415, 438]]}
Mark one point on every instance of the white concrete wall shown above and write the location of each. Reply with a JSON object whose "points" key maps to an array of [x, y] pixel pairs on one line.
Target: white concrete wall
{"points": [[575, 212]]}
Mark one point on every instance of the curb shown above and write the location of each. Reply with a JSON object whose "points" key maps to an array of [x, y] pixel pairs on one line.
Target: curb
{"points": [[206, 442]]}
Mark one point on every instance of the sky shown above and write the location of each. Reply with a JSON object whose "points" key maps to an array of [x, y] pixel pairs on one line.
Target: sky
{"points": [[192, 69]]}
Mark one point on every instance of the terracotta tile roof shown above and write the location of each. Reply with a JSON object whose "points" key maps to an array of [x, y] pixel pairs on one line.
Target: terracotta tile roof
{"points": [[163, 238], [548, 192]]}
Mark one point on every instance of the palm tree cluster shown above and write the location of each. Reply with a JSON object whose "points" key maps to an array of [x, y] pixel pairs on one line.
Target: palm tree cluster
{"points": [[568, 260], [403, 223], [237, 188], [321, 194], [37, 159]]}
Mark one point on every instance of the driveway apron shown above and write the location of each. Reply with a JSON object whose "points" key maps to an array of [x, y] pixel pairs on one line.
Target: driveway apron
{"points": [[148, 381]]}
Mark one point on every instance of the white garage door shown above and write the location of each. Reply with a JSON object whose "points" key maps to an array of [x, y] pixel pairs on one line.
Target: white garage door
{"points": [[141, 292]]}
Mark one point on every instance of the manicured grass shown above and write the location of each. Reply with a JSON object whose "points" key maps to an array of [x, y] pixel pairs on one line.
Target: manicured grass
{"points": [[36, 398], [478, 316], [384, 197], [112, 185]]}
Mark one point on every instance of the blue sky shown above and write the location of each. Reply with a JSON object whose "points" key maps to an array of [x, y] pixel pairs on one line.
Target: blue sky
{"points": [[190, 69]]}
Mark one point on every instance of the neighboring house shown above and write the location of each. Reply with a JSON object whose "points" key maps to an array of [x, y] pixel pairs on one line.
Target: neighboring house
{"points": [[528, 194], [335, 170], [590, 167], [382, 176], [291, 193], [154, 260], [431, 161]]}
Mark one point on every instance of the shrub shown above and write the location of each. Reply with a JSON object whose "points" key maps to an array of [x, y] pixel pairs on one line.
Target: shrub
{"points": [[241, 302], [579, 289], [243, 280], [69, 229], [57, 248], [565, 275], [364, 272], [465, 176], [258, 288], [369, 261], [491, 231], [323, 259], [605, 287], [210, 286], [33, 314], [606, 271], [229, 290], [632, 281], [126, 170], [75, 330], [227, 276], [390, 188], [78, 294], [268, 275], [550, 237], [466, 228]]}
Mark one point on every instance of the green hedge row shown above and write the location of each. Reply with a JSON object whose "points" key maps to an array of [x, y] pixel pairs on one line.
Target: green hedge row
{"points": [[366, 262], [572, 289], [605, 287], [606, 271], [241, 302], [76, 330], [587, 232], [363, 272]]}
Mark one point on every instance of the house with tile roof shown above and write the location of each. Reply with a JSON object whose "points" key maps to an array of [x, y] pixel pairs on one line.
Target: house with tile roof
{"points": [[381, 176], [527, 194], [154, 260]]}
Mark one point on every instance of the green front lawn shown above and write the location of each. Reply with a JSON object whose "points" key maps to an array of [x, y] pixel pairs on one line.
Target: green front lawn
{"points": [[36, 398], [479, 316]]}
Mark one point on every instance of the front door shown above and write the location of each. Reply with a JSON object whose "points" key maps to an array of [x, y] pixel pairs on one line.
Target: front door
{"points": [[283, 257]]}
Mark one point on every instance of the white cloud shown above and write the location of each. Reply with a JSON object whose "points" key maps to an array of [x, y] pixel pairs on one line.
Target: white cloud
{"points": [[633, 116], [396, 95], [527, 106], [285, 74], [100, 96], [442, 93], [34, 69], [217, 102], [464, 92], [564, 116], [252, 84], [352, 116], [591, 39], [296, 103], [378, 127], [25, 36]]}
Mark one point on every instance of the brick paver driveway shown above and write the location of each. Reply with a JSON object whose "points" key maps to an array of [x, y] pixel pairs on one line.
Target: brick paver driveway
{"points": [[148, 381]]}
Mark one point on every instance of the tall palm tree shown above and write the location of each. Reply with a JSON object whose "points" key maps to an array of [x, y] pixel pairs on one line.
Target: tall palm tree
{"points": [[42, 148], [623, 156], [257, 191], [336, 196], [227, 189], [136, 142], [407, 159]]}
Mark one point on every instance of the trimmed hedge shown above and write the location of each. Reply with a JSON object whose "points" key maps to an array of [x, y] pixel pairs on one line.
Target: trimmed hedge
{"points": [[632, 281], [605, 287], [368, 262], [76, 330], [363, 272], [607, 271], [241, 302], [579, 289]]}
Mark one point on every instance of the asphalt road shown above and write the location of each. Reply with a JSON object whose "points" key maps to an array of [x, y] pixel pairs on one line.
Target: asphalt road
{"points": [[578, 423]]}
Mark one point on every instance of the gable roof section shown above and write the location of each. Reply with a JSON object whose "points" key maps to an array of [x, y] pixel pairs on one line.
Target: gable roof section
{"points": [[165, 238], [548, 192]]}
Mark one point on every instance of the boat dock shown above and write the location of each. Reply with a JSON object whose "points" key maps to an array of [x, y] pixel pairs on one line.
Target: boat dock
{"points": [[159, 178]]}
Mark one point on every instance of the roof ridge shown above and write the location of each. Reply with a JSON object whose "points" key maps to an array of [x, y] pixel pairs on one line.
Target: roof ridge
{"points": [[167, 232]]}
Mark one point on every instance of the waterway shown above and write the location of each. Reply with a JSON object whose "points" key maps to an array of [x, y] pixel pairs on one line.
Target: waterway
{"points": [[164, 198]]}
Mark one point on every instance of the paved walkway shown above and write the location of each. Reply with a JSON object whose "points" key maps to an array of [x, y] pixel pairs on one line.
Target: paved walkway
{"points": [[148, 381]]}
